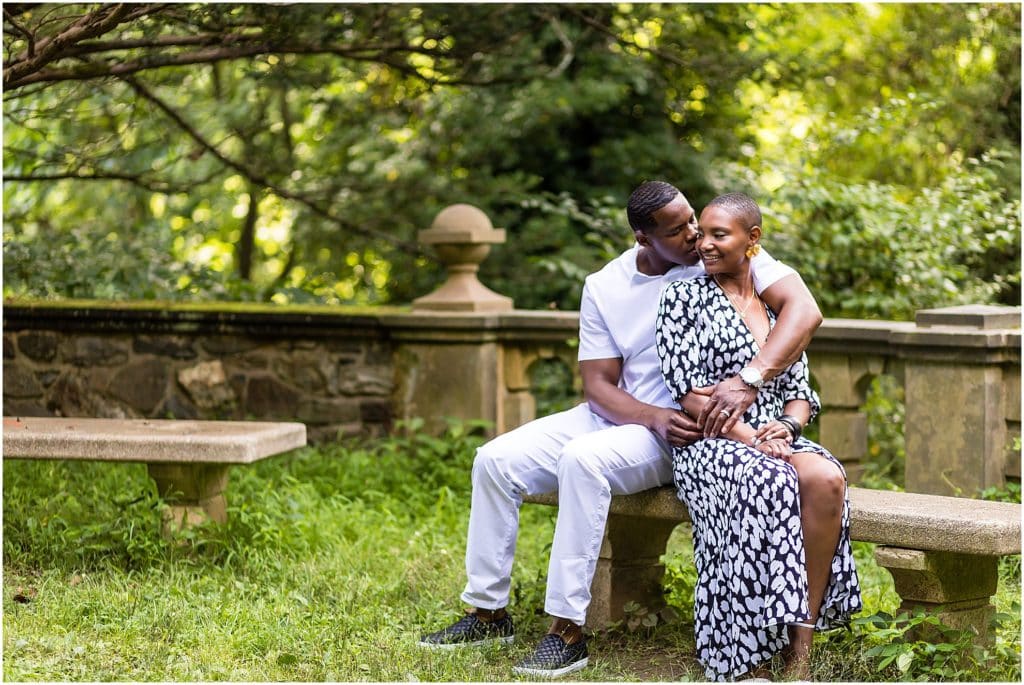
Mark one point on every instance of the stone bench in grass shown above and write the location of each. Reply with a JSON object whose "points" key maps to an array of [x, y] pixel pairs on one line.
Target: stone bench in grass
{"points": [[188, 460], [942, 552]]}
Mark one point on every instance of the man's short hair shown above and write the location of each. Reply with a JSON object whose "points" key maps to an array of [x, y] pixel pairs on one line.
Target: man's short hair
{"points": [[740, 206], [649, 197]]}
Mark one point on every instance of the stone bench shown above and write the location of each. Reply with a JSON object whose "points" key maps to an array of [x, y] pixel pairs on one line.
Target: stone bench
{"points": [[942, 552], [188, 460]]}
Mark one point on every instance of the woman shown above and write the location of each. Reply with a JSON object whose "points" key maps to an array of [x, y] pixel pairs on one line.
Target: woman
{"points": [[769, 507]]}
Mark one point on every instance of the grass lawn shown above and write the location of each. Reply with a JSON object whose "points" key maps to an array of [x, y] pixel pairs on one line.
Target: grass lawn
{"points": [[333, 562]]}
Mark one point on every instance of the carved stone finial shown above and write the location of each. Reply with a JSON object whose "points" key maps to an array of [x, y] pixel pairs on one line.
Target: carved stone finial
{"points": [[462, 235]]}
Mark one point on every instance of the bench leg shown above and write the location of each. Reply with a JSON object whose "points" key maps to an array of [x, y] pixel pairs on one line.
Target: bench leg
{"points": [[629, 568], [194, 493], [956, 587]]}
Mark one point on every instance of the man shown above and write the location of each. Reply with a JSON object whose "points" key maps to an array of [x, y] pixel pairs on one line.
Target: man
{"points": [[618, 441]]}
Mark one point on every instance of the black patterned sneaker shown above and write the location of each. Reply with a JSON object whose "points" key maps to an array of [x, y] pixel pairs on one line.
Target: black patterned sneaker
{"points": [[470, 631], [553, 658]]}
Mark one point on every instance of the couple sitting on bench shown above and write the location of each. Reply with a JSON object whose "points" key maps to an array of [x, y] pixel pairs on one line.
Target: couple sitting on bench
{"points": [[709, 391]]}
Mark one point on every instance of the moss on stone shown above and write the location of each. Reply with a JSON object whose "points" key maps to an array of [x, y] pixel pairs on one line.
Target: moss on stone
{"points": [[225, 307]]}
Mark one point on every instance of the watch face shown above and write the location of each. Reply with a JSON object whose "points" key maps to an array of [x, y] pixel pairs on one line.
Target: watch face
{"points": [[751, 377]]}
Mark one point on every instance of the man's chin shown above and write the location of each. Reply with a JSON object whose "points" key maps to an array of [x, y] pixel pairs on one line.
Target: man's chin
{"points": [[690, 260]]}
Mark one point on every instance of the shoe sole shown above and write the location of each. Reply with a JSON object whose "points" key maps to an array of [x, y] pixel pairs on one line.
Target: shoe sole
{"points": [[552, 673], [507, 640]]}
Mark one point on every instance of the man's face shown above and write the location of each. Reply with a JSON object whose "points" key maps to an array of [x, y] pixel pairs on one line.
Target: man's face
{"points": [[674, 238]]}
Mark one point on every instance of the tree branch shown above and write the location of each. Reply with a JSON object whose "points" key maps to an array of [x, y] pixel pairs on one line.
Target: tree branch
{"points": [[50, 48], [91, 70], [261, 180]]}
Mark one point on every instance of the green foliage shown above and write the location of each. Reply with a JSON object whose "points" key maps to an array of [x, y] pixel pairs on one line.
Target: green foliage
{"points": [[885, 462], [918, 646], [302, 174], [362, 540], [866, 250]]}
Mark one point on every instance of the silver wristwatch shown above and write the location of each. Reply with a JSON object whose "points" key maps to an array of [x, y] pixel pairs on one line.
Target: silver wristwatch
{"points": [[751, 376]]}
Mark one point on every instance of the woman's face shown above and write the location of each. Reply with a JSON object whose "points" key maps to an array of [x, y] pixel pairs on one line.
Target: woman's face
{"points": [[723, 241]]}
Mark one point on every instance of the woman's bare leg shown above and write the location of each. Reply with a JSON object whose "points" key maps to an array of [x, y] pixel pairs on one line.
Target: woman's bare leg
{"points": [[822, 494]]}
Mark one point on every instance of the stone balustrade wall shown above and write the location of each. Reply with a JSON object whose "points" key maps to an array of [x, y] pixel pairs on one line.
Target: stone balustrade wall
{"points": [[346, 371]]}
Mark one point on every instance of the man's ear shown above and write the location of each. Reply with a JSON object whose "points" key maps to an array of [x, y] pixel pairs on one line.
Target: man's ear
{"points": [[642, 238]]}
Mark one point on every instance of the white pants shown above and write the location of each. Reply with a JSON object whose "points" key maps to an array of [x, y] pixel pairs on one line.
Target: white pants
{"points": [[587, 459]]}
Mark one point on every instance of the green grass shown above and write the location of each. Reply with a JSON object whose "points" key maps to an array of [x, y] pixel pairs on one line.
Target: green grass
{"points": [[333, 562]]}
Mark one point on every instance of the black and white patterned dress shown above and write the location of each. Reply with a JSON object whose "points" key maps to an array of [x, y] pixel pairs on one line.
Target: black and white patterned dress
{"points": [[745, 506]]}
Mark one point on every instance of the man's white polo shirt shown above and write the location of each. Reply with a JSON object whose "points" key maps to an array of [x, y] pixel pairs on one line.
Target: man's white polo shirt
{"points": [[619, 310]]}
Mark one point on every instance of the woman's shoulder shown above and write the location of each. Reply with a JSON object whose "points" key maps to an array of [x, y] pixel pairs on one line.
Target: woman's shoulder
{"points": [[688, 288]]}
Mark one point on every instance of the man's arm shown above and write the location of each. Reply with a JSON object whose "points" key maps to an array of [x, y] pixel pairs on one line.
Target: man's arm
{"points": [[799, 317], [605, 397]]}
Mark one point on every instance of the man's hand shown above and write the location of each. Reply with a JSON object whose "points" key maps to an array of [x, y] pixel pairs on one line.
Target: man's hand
{"points": [[675, 427], [730, 399]]}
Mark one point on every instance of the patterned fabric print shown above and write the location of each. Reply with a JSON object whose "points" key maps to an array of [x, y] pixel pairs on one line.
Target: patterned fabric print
{"points": [[745, 505]]}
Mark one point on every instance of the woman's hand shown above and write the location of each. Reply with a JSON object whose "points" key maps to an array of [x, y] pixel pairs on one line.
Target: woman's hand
{"points": [[777, 448], [772, 430]]}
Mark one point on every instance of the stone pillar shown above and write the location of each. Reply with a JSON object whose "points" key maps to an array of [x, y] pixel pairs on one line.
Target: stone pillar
{"points": [[194, 493], [958, 361], [956, 587], [629, 568], [843, 426], [461, 235], [519, 404]]}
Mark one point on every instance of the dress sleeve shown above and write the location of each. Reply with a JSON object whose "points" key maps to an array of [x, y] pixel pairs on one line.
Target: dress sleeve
{"points": [[796, 385], [678, 336]]}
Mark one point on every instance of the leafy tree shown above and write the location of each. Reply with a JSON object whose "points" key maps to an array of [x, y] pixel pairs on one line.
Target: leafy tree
{"points": [[291, 152]]}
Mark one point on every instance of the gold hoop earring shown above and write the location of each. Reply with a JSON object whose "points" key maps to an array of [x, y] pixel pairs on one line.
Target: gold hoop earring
{"points": [[753, 250]]}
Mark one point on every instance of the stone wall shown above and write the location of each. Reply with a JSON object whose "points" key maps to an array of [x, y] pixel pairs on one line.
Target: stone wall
{"points": [[345, 371], [331, 371]]}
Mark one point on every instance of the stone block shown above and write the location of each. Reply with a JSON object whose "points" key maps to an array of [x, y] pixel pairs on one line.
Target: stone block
{"points": [[955, 428], [20, 382], [846, 434], [375, 411], [24, 408], [267, 397], [142, 384], [306, 373], [838, 382], [982, 316], [71, 396], [519, 408], [939, 577], [1011, 393], [40, 346], [223, 345], [95, 351], [207, 385], [454, 380], [362, 381], [175, 347], [327, 410], [955, 587], [194, 493], [9, 352], [48, 377], [177, 407], [629, 567]]}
